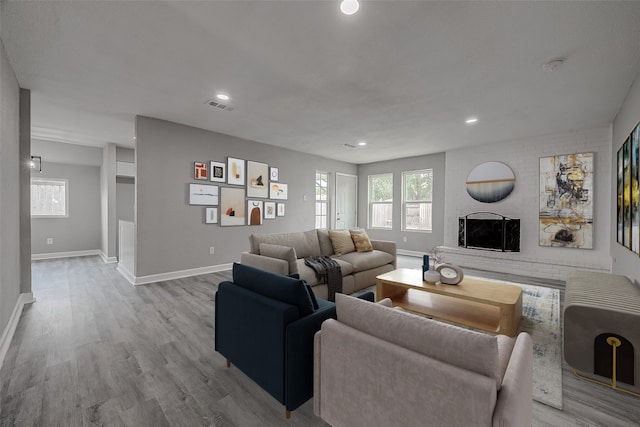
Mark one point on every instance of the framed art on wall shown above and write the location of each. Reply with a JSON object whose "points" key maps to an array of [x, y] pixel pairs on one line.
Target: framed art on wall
{"points": [[279, 191], [200, 171], [203, 194], [566, 201], [218, 172], [235, 171], [211, 215], [280, 209], [628, 192], [269, 210], [232, 206], [254, 212], [257, 179], [273, 174]]}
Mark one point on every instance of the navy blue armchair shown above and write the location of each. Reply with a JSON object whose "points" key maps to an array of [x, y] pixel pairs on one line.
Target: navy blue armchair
{"points": [[264, 325]]}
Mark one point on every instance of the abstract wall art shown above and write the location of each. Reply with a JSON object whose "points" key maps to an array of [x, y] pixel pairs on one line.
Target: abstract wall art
{"points": [[257, 179], [235, 171], [218, 172], [232, 206], [566, 201], [279, 191], [254, 212], [200, 171], [628, 192], [490, 182], [211, 215], [202, 194], [269, 210]]}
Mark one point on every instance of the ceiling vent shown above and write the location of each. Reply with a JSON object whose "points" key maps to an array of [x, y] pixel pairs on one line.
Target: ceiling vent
{"points": [[349, 146], [220, 105]]}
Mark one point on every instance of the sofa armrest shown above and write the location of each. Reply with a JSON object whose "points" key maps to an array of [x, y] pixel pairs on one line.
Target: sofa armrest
{"points": [[386, 246], [273, 265], [250, 332], [299, 355], [514, 406]]}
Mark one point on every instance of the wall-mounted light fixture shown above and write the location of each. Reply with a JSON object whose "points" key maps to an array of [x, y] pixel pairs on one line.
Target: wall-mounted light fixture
{"points": [[36, 163]]}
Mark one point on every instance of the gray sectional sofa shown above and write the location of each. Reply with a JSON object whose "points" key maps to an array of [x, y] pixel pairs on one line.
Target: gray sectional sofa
{"points": [[284, 253]]}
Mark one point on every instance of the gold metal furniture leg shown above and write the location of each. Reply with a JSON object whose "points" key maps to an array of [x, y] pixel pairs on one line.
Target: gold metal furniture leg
{"points": [[614, 343]]}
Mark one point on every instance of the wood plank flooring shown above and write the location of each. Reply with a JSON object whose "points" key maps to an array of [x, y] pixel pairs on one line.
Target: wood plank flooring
{"points": [[94, 350]]}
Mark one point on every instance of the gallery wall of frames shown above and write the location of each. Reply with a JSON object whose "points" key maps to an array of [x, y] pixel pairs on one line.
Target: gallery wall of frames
{"points": [[628, 205], [251, 192]]}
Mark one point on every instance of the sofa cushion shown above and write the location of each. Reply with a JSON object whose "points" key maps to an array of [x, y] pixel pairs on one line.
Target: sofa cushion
{"points": [[361, 240], [312, 295], [281, 252], [451, 344], [326, 249], [362, 261], [305, 243], [341, 242], [281, 288]]}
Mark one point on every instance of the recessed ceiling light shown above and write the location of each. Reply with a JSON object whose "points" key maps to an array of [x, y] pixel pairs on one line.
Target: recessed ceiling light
{"points": [[471, 120], [362, 143], [222, 96], [349, 7]]}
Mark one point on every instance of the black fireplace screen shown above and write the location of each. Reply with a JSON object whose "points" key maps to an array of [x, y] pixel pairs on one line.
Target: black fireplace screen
{"points": [[485, 230]]}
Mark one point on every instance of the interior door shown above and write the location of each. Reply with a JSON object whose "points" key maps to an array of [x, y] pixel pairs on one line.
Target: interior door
{"points": [[346, 200]]}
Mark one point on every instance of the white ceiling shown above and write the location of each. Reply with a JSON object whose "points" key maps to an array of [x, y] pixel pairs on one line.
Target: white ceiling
{"points": [[402, 75]]}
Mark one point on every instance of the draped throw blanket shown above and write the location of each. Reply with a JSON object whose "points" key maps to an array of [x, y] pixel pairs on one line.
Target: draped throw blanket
{"points": [[328, 270]]}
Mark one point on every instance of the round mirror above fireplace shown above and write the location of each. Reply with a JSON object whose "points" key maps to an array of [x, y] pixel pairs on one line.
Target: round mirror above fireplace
{"points": [[490, 182]]}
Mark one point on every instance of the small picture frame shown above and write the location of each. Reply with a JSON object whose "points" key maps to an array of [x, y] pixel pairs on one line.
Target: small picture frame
{"points": [[280, 209], [278, 191], [235, 171], [269, 210], [200, 171], [273, 174], [211, 216], [218, 172], [254, 212]]}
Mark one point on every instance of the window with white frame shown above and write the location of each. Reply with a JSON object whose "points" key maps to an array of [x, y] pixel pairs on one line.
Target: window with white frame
{"points": [[417, 192], [322, 199], [381, 201], [49, 197]]}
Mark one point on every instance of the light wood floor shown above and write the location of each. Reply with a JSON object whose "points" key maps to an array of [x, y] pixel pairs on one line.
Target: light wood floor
{"points": [[94, 350]]}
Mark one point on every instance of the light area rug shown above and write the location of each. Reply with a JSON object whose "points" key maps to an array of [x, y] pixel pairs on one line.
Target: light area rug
{"points": [[541, 320]]}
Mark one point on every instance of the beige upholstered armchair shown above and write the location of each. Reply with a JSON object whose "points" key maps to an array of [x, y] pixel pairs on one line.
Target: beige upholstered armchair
{"points": [[376, 365]]}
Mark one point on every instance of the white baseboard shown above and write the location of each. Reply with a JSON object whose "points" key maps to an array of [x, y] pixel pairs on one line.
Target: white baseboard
{"points": [[108, 259], [153, 278], [71, 254], [10, 329]]}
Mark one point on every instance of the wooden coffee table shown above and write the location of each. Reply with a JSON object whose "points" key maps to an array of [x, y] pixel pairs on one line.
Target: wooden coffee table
{"points": [[489, 306]]}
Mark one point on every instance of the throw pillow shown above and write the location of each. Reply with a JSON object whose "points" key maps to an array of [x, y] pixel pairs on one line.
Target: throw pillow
{"points": [[281, 288], [281, 252], [341, 242], [361, 241], [314, 301]]}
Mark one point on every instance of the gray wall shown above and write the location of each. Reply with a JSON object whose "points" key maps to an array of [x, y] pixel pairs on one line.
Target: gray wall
{"points": [[624, 261], [80, 231], [415, 241], [171, 234], [71, 154], [10, 279]]}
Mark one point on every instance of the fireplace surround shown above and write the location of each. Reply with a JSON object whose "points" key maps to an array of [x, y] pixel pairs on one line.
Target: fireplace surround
{"points": [[489, 231]]}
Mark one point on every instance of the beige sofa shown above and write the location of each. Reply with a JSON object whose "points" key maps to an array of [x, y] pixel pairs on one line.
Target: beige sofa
{"points": [[381, 366], [284, 253]]}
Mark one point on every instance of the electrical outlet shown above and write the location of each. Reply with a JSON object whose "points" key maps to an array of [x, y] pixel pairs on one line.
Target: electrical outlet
{"points": [[49, 240], [212, 250]]}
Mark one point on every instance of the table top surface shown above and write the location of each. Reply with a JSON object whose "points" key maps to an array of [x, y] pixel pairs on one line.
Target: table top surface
{"points": [[471, 288]]}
